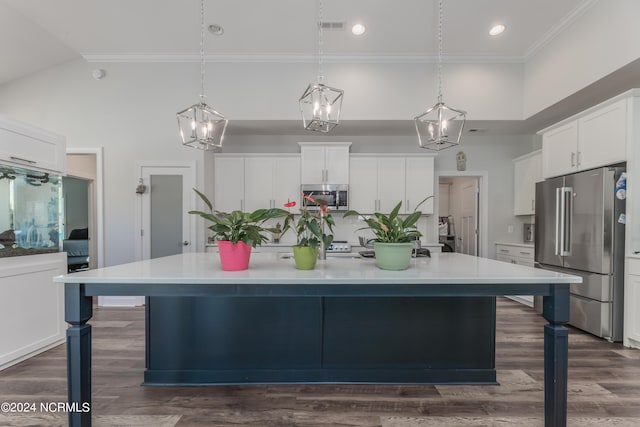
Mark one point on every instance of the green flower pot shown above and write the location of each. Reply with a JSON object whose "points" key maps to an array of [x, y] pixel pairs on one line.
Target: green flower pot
{"points": [[305, 257], [393, 256]]}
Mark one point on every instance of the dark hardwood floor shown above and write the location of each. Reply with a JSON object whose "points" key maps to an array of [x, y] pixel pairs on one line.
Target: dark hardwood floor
{"points": [[604, 387]]}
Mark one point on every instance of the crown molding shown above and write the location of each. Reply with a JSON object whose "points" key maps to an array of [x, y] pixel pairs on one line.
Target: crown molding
{"points": [[562, 25], [295, 58]]}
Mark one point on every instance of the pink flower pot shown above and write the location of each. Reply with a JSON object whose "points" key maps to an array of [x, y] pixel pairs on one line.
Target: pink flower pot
{"points": [[234, 257]]}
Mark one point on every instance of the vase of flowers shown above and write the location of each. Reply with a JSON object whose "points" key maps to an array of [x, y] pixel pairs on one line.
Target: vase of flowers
{"points": [[394, 235], [311, 239], [237, 232]]}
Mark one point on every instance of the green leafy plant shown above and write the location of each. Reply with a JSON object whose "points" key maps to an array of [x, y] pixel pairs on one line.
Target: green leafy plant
{"points": [[239, 226], [392, 228], [310, 226]]}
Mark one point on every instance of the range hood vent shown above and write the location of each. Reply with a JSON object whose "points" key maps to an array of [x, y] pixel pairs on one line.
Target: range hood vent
{"points": [[332, 26]]}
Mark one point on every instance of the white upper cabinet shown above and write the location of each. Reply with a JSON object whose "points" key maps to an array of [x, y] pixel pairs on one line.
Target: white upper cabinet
{"points": [[256, 181], [379, 182], [527, 170], [228, 183], [419, 184], [324, 163], [391, 183], [560, 150], [363, 184], [594, 138], [271, 181], [33, 148], [603, 136]]}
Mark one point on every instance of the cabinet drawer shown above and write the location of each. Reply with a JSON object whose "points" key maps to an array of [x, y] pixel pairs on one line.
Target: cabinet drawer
{"points": [[516, 251], [633, 266]]}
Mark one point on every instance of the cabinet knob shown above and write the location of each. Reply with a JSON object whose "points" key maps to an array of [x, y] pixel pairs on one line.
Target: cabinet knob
{"points": [[185, 243]]}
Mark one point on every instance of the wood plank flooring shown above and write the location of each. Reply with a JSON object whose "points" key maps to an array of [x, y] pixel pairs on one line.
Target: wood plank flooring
{"points": [[604, 387]]}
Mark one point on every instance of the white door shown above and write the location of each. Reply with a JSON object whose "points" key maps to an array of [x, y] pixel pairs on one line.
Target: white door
{"points": [[166, 226], [286, 181], [468, 227]]}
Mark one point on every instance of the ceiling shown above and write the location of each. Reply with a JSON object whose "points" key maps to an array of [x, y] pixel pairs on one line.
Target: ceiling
{"points": [[37, 34]]}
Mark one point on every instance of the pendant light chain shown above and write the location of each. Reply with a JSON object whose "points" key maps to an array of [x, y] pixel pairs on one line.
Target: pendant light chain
{"points": [[202, 62], [440, 52], [201, 126], [320, 42]]}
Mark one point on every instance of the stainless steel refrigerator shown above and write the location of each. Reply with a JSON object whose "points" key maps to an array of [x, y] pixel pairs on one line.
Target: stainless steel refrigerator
{"points": [[579, 231]]}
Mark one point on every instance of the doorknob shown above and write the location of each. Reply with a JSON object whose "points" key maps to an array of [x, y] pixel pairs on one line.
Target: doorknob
{"points": [[185, 243]]}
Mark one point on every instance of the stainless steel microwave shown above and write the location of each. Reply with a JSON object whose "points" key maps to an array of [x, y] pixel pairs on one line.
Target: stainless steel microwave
{"points": [[336, 196]]}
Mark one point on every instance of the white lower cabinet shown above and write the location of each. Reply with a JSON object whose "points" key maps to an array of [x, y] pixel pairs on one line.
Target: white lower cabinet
{"points": [[520, 254], [31, 306], [632, 302]]}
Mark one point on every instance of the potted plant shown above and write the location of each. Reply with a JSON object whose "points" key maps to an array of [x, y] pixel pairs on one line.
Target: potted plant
{"points": [[237, 232], [394, 235], [310, 232]]}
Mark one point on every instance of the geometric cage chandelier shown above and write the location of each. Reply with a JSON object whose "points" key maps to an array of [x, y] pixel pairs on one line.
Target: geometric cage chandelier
{"points": [[440, 126], [201, 126], [320, 105]]}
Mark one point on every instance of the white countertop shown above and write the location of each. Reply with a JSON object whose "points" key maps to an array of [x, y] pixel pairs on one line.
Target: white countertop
{"points": [[270, 268], [520, 245]]}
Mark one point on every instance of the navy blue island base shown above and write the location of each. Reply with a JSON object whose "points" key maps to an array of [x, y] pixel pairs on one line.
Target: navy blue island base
{"points": [[332, 299]]}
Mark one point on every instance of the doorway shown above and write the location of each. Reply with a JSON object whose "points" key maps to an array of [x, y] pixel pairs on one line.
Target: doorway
{"points": [[166, 196], [462, 204], [85, 165]]}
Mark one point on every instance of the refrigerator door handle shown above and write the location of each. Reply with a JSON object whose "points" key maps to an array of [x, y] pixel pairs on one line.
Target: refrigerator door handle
{"points": [[565, 221], [558, 216]]}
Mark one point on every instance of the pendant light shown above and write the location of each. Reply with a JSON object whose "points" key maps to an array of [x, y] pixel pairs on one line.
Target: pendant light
{"points": [[440, 126], [320, 105], [201, 126]]}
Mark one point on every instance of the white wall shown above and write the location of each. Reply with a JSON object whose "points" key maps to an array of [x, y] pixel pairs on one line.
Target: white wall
{"points": [[131, 113], [602, 40]]}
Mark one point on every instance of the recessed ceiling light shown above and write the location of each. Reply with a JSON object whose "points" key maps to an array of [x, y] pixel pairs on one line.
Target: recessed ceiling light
{"points": [[216, 29], [358, 29], [497, 29]]}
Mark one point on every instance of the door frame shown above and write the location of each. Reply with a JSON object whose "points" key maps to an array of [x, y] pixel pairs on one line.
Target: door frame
{"points": [[96, 193], [483, 201], [140, 211]]}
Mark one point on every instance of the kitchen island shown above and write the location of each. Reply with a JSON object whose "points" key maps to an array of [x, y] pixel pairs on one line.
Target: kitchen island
{"points": [[336, 314]]}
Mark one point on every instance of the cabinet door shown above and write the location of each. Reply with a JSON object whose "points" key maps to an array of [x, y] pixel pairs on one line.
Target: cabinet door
{"points": [[526, 172], [228, 183], [419, 184], [258, 183], [31, 148], [286, 181], [363, 184], [391, 183], [560, 150], [312, 165], [602, 139], [632, 325], [337, 165]]}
